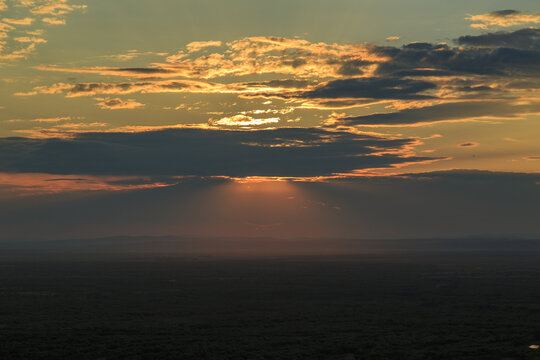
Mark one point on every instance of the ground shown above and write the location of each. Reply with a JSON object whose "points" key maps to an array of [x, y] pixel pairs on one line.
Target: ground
{"points": [[393, 305]]}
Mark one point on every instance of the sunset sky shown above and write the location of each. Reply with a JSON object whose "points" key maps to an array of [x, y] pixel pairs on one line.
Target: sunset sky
{"points": [[297, 118]]}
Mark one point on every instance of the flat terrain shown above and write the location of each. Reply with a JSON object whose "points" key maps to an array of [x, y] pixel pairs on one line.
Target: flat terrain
{"points": [[463, 303]]}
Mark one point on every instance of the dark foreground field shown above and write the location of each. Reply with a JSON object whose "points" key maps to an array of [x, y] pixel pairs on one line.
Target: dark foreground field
{"points": [[390, 302]]}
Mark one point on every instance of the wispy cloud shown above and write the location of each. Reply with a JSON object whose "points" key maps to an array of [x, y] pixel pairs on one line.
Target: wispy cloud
{"points": [[116, 103], [128, 55], [25, 21], [199, 45], [53, 120], [28, 39], [14, 45], [503, 18], [445, 112], [53, 21]]}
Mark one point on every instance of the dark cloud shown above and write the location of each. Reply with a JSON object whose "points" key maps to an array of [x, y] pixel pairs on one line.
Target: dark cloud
{"points": [[93, 88], [147, 180], [503, 13], [356, 90], [371, 88], [494, 56], [423, 72], [527, 39], [280, 152], [468, 144], [483, 61], [350, 67], [141, 70], [456, 111], [83, 89]]}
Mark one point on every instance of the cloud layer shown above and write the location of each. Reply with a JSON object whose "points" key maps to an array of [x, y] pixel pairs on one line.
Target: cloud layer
{"points": [[284, 152]]}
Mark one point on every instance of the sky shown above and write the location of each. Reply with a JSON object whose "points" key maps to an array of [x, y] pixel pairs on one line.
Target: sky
{"points": [[299, 118]]}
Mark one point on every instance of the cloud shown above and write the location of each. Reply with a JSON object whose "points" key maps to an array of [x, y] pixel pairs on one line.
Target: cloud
{"points": [[304, 60], [90, 89], [26, 185], [16, 47], [25, 21], [255, 56], [500, 66], [528, 39], [152, 72], [20, 53], [54, 8], [503, 18], [468, 144], [244, 121], [27, 39], [81, 125], [53, 21], [115, 104], [501, 61], [129, 55], [199, 45], [346, 93], [276, 55], [53, 120], [166, 86], [392, 38], [284, 152], [371, 88], [455, 111]]}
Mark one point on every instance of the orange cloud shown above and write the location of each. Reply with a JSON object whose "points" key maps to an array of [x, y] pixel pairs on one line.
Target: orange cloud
{"points": [[32, 184]]}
